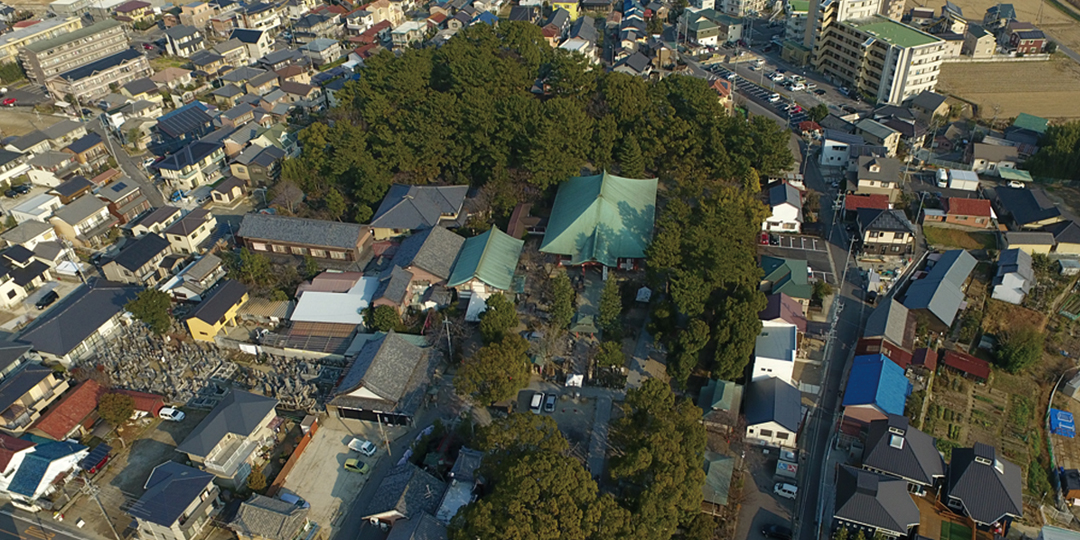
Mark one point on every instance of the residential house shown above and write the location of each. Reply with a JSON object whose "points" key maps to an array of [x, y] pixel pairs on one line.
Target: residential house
{"points": [[193, 165], [228, 192], [80, 322], [84, 222], [973, 213], [885, 233], [528, 14], [42, 470], [192, 281], [196, 14], [12, 164], [125, 200], [48, 167], [157, 221], [263, 518], [878, 176], [775, 351], [172, 77], [854, 203], [582, 39], [941, 292], [37, 208], [711, 28], [303, 95], [72, 189], [259, 16], [998, 16], [873, 504], [386, 382], [1031, 242], [571, 7], [406, 492], [894, 448], [486, 262], [636, 65], [89, 151], [177, 504], [967, 365], [773, 413], [258, 165], [322, 51], [1027, 41], [34, 142], [721, 402], [145, 261], [217, 310], [44, 59], [422, 260], [787, 276], [317, 25], [890, 330], [26, 389], [386, 10], [978, 42], [1014, 276], [1030, 208], [259, 43], [407, 33], [988, 158], [1066, 237], [142, 89], [20, 273], [182, 126], [783, 309], [261, 84], [984, 486], [603, 218], [408, 208], [12, 453], [135, 11], [189, 233], [836, 148], [876, 388], [225, 443], [237, 116], [73, 416], [879, 134], [786, 203], [184, 40], [326, 240], [718, 471], [234, 52], [29, 234]]}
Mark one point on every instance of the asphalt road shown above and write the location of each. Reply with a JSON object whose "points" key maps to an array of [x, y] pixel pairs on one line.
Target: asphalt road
{"points": [[19, 525], [132, 167]]}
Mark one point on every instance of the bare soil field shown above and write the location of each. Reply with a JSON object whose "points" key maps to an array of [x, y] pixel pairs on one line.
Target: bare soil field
{"points": [[1048, 89], [1058, 25], [20, 122]]}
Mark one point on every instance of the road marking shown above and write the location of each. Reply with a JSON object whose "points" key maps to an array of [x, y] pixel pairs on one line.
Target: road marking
{"points": [[38, 533]]}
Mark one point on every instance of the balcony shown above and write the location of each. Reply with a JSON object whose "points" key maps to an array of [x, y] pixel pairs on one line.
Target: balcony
{"points": [[226, 460]]}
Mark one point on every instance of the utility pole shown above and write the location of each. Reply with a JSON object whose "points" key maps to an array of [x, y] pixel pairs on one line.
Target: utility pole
{"points": [[92, 490]]}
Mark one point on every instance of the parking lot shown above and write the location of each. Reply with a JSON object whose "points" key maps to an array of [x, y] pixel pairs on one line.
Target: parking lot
{"points": [[574, 416], [761, 95], [812, 249], [319, 476]]}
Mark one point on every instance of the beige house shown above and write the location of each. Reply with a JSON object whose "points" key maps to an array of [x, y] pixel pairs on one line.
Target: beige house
{"points": [[880, 176], [20, 273], [142, 262], [196, 14], [25, 389], [84, 222], [177, 504], [879, 134], [978, 43], [264, 518], [156, 221], [190, 231], [225, 443], [1030, 241]]}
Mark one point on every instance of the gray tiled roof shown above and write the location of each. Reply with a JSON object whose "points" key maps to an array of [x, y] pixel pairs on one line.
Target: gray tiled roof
{"points": [[895, 448], [80, 209], [394, 284], [1027, 206], [889, 320], [773, 400], [77, 316], [988, 486], [172, 487], [888, 169], [384, 366], [239, 413], [417, 207], [25, 231], [408, 490], [218, 303], [433, 251], [872, 499], [784, 193], [303, 231], [270, 519], [141, 251], [425, 527], [1015, 261], [942, 290]]}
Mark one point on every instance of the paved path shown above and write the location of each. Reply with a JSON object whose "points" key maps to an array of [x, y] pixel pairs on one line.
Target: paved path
{"points": [[598, 445], [637, 372], [20, 525], [132, 167]]}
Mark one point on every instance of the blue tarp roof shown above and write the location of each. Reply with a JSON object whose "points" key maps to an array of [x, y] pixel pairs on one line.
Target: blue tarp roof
{"points": [[1062, 423], [876, 380]]}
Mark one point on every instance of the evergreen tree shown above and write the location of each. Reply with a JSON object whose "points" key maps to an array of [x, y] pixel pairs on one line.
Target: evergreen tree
{"points": [[499, 318], [610, 307], [631, 163], [562, 300]]}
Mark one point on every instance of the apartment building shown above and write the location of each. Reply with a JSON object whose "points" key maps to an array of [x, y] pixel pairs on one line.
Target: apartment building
{"points": [[91, 81], [880, 58], [260, 16], [11, 42], [43, 59], [196, 14]]}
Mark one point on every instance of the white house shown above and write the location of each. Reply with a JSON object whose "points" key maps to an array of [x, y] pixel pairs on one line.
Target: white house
{"points": [[774, 351], [39, 468], [1014, 276], [773, 413], [965, 180], [786, 203], [37, 208], [836, 148]]}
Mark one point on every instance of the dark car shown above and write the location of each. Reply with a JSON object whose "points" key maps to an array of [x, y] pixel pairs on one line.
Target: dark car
{"points": [[820, 91], [23, 189], [871, 297], [776, 532], [11, 193], [47, 300], [774, 240]]}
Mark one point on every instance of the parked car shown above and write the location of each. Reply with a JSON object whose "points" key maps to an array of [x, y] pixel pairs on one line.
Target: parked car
{"points": [[147, 46], [10, 102], [356, 466], [365, 447], [549, 402], [774, 240], [171, 414], [23, 189], [178, 196], [811, 86], [764, 240], [732, 76], [786, 491], [146, 163], [776, 77], [819, 91], [1016, 184], [294, 499], [871, 298], [537, 402], [774, 98], [776, 532], [11, 193], [47, 300]]}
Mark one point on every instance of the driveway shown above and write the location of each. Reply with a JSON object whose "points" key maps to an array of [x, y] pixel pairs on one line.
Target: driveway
{"points": [[760, 506], [813, 250]]}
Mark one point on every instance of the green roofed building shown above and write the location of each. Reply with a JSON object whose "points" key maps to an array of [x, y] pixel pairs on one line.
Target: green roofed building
{"points": [[788, 276], [718, 471], [1030, 122], [1007, 173], [601, 219], [486, 260]]}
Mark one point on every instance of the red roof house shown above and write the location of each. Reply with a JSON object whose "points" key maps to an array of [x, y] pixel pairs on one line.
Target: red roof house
{"points": [[967, 365], [145, 402], [967, 213], [9, 446], [925, 357], [880, 345], [25, 24], [71, 412], [852, 203]]}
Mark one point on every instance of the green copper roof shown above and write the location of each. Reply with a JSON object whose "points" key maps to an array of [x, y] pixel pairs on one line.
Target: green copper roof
{"points": [[1030, 122], [788, 276], [1014, 174], [490, 257], [893, 32], [799, 6], [601, 218]]}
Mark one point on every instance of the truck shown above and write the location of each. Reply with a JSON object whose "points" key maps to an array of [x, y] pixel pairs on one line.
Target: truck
{"points": [[963, 180]]}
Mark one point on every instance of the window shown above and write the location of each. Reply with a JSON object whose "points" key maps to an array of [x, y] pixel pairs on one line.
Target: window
{"points": [[279, 249], [782, 436], [337, 255], [874, 234], [258, 246], [318, 253], [12, 294], [898, 236], [297, 250], [766, 433]]}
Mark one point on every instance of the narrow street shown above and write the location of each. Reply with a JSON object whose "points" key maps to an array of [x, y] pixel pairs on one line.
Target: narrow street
{"points": [[132, 167]]}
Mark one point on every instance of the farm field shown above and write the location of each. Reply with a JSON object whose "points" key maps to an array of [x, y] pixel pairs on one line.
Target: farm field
{"points": [[1049, 89], [1058, 25]]}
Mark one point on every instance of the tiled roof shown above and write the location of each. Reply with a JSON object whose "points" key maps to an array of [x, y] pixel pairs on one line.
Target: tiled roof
{"points": [[77, 316], [895, 448], [219, 302], [433, 250], [959, 206], [988, 485], [171, 488], [239, 413], [63, 417], [301, 231], [407, 490]]}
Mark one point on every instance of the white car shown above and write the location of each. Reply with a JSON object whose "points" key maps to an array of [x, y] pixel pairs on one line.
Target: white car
{"points": [[1016, 184], [776, 77], [365, 447], [171, 414], [797, 87], [786, 491], [732, 76], [774, 98], [146, 163]]}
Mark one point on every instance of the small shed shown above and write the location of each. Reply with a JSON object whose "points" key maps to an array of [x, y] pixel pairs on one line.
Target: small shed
{"points": [[1069, 267], [967, 365]]}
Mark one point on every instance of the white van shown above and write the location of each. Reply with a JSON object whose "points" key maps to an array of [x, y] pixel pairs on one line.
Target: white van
{"points": [[942, 178], [786, 491], [537, 402]]}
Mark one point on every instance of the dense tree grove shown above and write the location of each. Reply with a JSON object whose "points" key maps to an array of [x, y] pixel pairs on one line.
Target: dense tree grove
{"points": [[1059, 153], [465, 113]]}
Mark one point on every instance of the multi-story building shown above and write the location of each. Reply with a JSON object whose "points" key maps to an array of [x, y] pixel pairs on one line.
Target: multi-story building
{"points": [[92, 81], [877, 57], [43, 59], [403, 35], [741, 8], [795, 21], [179, 502], [193, 165], [184, 40], [710, 27], [11, 42], [196, 14], [260, 16]]}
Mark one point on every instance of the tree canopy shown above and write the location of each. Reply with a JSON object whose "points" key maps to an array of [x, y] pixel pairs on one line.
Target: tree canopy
{"points": [[116, 408], [499, 318], [1059, 152], [496, 372], [562, 301], [1020, 348], [152, 308]]}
